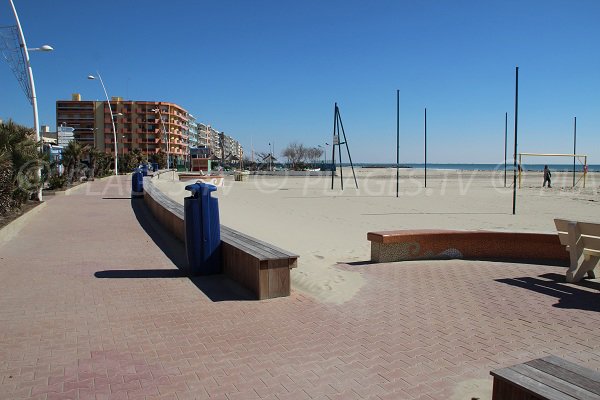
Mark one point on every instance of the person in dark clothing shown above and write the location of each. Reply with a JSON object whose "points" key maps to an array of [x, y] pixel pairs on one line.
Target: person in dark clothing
{"points": [[547, 177]]}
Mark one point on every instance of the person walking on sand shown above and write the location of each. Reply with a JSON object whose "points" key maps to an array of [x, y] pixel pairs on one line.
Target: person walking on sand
{"points": [[547, 176]]}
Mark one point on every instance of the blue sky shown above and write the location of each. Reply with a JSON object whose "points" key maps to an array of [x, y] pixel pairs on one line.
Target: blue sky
{"points": [[269, 71]]}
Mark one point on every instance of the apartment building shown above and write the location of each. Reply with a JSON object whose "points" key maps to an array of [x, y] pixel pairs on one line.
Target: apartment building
{"points": [[232, 147], [214, 142], [203, 135], [192, 131], [145, 125]]}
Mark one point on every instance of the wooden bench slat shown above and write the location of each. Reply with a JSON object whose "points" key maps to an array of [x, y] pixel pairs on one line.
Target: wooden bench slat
{"points": [[255, 250], [258, 243], [592, 377], [589, 228], [163, 199], [237, 237], [251, 250], [555, 377], [590, 242], [248, 246], [266, 245], [514, 378]]}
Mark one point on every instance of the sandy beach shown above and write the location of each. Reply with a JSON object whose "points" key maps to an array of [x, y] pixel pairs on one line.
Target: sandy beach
{"points": [[326, 227]]}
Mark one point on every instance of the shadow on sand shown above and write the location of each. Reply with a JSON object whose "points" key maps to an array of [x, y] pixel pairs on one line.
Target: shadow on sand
{"points": [[569, 295], [215, 287]]}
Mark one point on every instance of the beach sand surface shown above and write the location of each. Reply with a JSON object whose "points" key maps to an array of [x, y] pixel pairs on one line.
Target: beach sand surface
{"points": [[326, 227]]}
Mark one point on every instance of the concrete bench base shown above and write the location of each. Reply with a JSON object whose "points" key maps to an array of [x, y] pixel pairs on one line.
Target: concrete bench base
{"points": [[403, 245]]}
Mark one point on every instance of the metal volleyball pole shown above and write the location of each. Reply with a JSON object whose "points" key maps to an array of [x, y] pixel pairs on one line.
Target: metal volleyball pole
{"points": [[397, 141], [515, 154], [505, 141], [425, 146], [333, 145], [574, 146]]}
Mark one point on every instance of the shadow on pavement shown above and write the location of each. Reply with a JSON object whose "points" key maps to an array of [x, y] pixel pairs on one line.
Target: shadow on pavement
{"points": [[140, 273], [215, 287], [569, 295]]}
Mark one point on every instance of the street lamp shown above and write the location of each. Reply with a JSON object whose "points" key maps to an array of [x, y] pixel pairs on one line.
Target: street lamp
{"points": [[112, 120], [270, 158], [28, 84], [157, 110]]}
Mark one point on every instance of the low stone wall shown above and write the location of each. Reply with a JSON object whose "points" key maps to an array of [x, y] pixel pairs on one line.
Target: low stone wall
{"points": [[390, 246]]}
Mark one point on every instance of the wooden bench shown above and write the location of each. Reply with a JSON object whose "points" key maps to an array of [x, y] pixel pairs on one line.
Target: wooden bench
{"points": [[583, 244], [402, 245], [550, 378], [259, 266], [256, 265]]}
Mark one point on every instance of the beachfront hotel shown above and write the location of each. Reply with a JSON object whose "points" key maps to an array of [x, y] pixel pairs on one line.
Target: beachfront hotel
{"points": [[138, 126]]}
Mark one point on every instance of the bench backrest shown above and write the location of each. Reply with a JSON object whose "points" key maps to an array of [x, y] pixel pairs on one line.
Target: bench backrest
{"points": [[589, 232]]}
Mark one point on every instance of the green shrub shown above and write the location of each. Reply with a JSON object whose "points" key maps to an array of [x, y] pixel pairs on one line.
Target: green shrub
{"points": [[57, 181], [19, 159]]}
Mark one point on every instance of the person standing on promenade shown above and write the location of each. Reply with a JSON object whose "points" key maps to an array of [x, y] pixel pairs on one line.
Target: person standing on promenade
{"points": [[547, 176]]}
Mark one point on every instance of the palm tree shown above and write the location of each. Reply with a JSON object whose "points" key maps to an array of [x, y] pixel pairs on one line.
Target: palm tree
{"points": [[94, 155], [71, 156], [6, 183], [19, 161]]}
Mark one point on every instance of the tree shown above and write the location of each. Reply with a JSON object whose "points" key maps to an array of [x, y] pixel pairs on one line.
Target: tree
{"points": [[314, 154], [6, 183], [94, 155], [104, 163], [295, 153], [71, 158], [249, 164], [159, 157], [138, 157], [19, 162]]}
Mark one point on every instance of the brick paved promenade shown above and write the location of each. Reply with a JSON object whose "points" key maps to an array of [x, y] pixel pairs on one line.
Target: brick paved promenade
{"points": [[91, 308]]}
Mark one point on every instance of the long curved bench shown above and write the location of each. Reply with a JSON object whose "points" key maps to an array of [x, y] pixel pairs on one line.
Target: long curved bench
{"points": [[261, 267], [403, 245]]}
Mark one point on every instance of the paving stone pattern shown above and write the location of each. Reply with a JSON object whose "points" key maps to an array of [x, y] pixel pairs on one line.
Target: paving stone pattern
{"points": [[416, 330]]}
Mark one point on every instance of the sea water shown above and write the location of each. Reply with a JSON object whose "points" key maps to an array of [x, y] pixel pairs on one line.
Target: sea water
{"points": [[483, 167]]}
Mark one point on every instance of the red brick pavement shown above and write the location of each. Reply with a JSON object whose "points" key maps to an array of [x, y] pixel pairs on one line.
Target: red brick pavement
{"points": [[416, 330]]}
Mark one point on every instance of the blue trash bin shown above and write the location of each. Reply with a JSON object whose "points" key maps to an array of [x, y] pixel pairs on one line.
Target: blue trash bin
{"points": [[202, 230], [137, 183], [144, 168]]}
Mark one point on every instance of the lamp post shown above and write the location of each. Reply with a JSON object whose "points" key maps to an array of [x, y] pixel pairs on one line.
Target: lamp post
{"points": [[112, 119], [157, 110], [323, 152], [270, 158], [31, 91]]}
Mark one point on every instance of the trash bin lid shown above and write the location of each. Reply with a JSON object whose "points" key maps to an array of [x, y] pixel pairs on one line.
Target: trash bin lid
{"points": [[200, 187]]}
